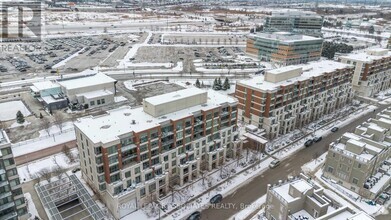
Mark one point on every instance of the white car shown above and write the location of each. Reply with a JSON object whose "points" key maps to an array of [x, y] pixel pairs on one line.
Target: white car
{"points": [[274, 163]]}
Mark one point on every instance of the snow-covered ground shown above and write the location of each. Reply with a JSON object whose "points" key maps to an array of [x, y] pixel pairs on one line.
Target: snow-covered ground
{"points": [[16, 124], [63, 62], [313, 165], [31, 207], [31, 170], [8, 110], [36, 144], [119, 99]]}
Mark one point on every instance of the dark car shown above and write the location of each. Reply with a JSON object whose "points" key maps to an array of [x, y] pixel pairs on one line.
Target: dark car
{"points": [[317, 139], [75, 170], [308, 143], [195, 216], [334, 129], [216, 199]]}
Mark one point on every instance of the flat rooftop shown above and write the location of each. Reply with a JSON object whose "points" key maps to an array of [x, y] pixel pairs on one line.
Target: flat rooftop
{"points": [[294, 13], [284, 37], [359, 141], [283, 190], [174, 96], [365, 57], [310, 70], [108, 127], [45, 85], [86, 81]]}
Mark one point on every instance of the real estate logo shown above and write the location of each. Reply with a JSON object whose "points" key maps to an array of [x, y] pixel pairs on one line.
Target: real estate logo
{"points": [[21, 21]]}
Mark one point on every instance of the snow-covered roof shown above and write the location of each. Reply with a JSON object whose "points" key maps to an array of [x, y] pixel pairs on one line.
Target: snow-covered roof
{"points": [[284, 37], [294, 13], [366, 57], [86, 81], [283, 190], [310, 70], [95, 94], [174, 96], [45, 85], [106, 128]]}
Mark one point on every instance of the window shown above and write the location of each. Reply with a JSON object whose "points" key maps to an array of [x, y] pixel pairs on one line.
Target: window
{"points": [[142, 192], [103, 101], [137, 170], [359, 165], [355, 181], [98, 102], [92, 103], [330, 169], [127, 174]]}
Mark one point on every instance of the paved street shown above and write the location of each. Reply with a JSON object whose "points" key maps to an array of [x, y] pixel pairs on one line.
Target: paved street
{"points": [[256, 188]]}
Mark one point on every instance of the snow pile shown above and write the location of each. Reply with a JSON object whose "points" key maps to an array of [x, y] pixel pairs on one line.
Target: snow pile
{"points": [[8, 110], [31, 207]]}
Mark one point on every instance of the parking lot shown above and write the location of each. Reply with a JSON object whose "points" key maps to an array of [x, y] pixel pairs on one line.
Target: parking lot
{"points": [[66, 55]]}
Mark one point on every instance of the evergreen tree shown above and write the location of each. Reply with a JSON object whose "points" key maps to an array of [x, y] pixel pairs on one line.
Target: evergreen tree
{"points": [[19, 117], [226, 84], [371, 30], [214, 87], [40, 115], [197, 84]]}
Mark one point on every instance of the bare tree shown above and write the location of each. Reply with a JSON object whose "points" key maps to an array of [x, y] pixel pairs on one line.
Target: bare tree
{"points": [[45, 125], [58, 171], [67, 151], [59, 120], [44, 174]]}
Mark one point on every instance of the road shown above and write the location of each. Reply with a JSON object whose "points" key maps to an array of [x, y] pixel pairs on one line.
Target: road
{"points": [[256, 188]]}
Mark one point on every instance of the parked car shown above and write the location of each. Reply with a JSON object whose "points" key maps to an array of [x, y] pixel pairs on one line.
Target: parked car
{"points": [[194, 216], [216, 199], [317, 139], [274, 163], [334, 129], [76, 169], [308, 143]]}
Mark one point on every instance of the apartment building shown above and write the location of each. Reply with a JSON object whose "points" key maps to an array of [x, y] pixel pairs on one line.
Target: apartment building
{"points": [[287, 98], [131, 156], [372, 72], [298, 22], [301, 198], [12, 201], [284, 48], [360, 161]]}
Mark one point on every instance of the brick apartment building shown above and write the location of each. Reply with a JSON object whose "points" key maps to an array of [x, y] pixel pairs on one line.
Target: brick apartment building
{"points": [[130, 156], [284, 99]]}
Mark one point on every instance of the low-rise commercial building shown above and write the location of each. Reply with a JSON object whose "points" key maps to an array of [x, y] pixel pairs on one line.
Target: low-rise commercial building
{"points": [[287, 98], [301, 198], [372, 72], [86, 91], [12, 201], [298, 22], [283, 48], [361, 161], [131, 156]]}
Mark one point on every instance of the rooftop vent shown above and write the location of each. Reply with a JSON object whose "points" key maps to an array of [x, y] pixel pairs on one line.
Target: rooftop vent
{"points": [[204, 105], [127, 114], [105, 127], [163, 117], [149, 121], [133, 122], [176, 96]]}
